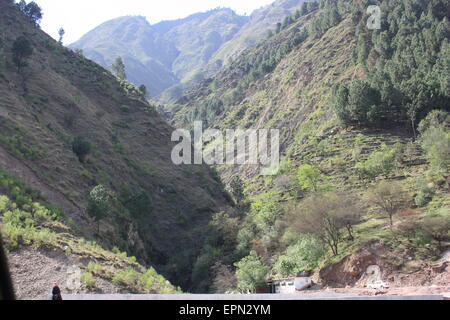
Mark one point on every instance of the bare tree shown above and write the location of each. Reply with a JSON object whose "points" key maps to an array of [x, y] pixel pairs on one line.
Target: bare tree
{"points": [[389, 197], [224, 278], [438, 228], [325, 217]]}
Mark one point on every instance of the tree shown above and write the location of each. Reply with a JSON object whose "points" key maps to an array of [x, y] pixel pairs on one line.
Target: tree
{"points": [[99, 204], [251, 273], [143, 91], [389, 197], [81, 148], [32, 11], [224, 279], [303, 255], [308, 177], [438, 228], [304, 9], [324, 217], [61, 33], [237, 189], [118, 69], [21, 51], [361, 99]]}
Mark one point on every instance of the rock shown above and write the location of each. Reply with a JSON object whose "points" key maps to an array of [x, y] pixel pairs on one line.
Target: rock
{"points": [[302, 283]]}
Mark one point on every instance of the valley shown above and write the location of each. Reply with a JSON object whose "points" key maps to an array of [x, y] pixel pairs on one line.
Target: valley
{"points": [[360, 204]]}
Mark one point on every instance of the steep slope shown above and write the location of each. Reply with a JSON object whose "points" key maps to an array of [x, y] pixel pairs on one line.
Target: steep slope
{"points": [[148, 57], [151, 208], [261, 21], [161, 55], [199, 36], [291, 82], [256, 28]]}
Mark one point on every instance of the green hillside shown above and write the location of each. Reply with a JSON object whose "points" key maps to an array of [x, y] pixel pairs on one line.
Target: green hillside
{"points": [[125, 192], [348, 102]]}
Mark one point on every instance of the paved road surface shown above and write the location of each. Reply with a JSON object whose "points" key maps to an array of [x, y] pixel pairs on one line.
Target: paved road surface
{"points": [[249, 297]]}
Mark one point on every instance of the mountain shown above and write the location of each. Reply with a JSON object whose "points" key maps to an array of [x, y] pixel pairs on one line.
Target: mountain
{"points": [[125, 192], [256, 28], [159, 56], [147, 56], [260, 22], [347, 101], [172, 55]]}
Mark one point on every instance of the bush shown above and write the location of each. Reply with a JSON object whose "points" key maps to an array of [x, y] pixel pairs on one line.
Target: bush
{"points": [[251, 273], [81, 148], [424, 195], [380, 162], [435, 141], [127, 277], [88, 280], [304, 255]]}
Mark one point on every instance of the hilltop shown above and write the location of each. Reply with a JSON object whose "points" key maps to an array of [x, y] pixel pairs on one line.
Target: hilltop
{"points": [[170, 56]]}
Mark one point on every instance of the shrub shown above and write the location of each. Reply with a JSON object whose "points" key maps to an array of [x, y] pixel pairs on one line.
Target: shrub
{"points": [[81, 148], [435, 141], [380, 162], [88, 280], [304, 255], [309, 177], [127, 277], [424, 195], [251, 273]]}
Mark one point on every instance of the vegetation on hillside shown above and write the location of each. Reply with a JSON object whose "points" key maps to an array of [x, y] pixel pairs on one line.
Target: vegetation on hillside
{"points": [[395, 181]]}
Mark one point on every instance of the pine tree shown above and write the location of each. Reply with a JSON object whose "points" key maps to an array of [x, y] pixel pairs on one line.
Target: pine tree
{"points": [[21, 51], [118, 69]]}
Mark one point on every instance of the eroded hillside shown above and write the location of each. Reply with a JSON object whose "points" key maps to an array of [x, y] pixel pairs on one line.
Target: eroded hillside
{"points": [[155, 210]]}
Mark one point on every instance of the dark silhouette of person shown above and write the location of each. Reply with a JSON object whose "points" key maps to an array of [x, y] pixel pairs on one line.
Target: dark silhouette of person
{"points": [[56, 292]]}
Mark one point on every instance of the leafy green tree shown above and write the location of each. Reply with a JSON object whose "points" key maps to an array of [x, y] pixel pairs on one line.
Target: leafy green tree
{"points": [[309, 177], [138, 203], [143, 91], [251, 273], [21, 51], [436, 143], [435, 139], [303, 255], [361, 99], [31, 10], [81, 147], [100, 204], [118, 69]]}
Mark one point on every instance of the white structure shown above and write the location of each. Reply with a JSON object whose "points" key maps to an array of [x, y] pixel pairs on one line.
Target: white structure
{"points": [[290, 285]]}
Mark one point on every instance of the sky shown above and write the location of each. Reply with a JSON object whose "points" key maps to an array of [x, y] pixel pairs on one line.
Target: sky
{"points": [[77, 17]]}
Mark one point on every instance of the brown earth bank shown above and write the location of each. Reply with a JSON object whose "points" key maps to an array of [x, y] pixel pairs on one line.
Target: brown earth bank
{"points": [[377, 269]]}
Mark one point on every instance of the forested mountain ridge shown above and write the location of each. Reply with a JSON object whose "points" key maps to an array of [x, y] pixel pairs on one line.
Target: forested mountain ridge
{"points": [[94, 147], [348, 102]]}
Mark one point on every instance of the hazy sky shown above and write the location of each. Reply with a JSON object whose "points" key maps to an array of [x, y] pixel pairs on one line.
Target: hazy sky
{"points": [[79, 16]]}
